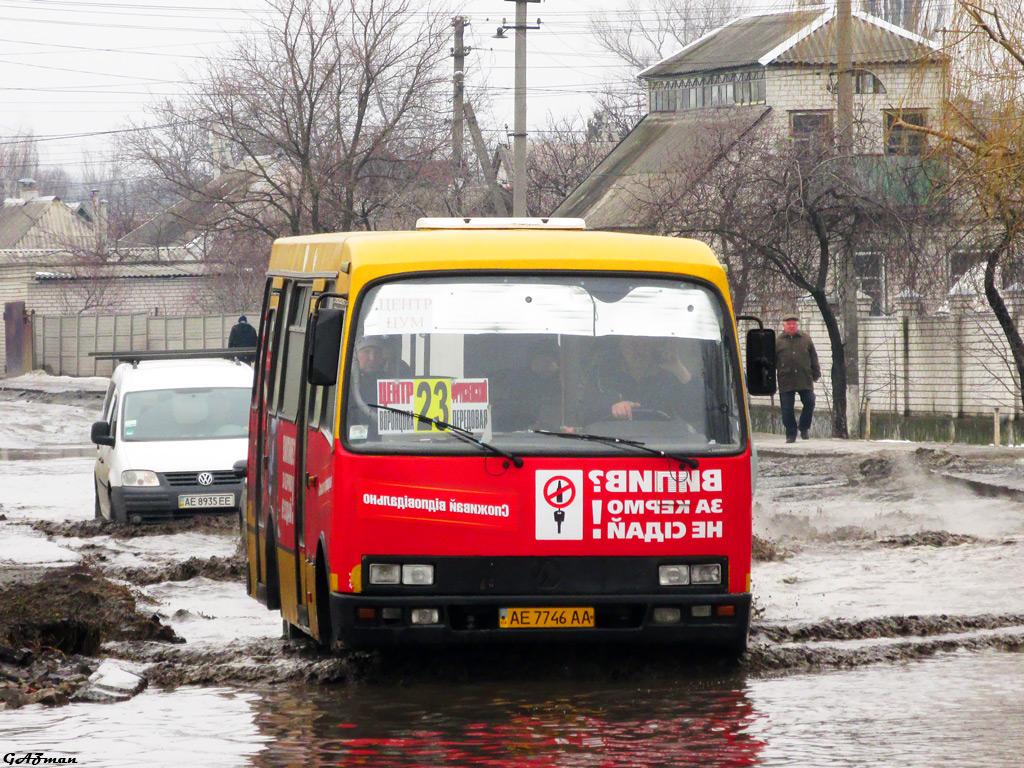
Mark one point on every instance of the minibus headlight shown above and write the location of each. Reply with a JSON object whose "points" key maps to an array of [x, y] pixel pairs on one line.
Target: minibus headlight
{"points": [[673, 575], [418, 575], [385, 573], [709, 573], [139, 478]]}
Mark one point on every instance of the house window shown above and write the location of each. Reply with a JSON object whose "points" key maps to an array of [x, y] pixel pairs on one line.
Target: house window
{"points": [[904, 141], [811, 131], [864, 82], [870, 268], [963, 262], [867, 82]]}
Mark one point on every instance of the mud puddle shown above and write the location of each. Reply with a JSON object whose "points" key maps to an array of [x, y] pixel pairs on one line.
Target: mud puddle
{"points": [[956, 708]]}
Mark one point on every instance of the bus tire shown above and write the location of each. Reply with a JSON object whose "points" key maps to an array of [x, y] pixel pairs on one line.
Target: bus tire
{"points": [[270, 576], [737, 647], [324, 627]]}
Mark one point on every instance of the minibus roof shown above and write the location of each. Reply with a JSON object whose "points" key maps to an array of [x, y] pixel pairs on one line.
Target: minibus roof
{"points": [[379, 254]]}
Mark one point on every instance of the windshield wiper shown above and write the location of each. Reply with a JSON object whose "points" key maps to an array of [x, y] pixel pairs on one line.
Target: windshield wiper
{"points": [[689, 461], [462, 434]]}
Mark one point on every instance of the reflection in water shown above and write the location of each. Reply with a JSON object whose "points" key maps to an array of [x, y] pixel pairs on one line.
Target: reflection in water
{"points": [[539, 725], [962, 709]]}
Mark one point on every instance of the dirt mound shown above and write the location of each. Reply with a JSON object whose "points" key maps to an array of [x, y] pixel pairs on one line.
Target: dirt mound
{"points": [[49, 677], [86, 398], [929, 539], [765, 551], [218, 568], [85, 529], [943, 460], [54, 618], [883, 627], [875, 468], [73, 610]]}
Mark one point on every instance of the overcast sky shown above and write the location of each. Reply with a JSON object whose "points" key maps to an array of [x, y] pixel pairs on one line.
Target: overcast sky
{"points": [[71, 70]]}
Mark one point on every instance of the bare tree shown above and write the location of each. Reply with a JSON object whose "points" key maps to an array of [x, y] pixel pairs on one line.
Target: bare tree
{"points": [[310, 125], [567, 150], [641, 33], [644, 32], [775, 210], [982, 139]]}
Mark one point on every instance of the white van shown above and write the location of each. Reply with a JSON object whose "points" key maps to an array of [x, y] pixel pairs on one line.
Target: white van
{"points": [[171, 433]]}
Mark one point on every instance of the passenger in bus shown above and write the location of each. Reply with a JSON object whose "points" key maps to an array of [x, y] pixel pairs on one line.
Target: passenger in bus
{"points": [[371, 359], [394, 365], [531, 398], [643, 378]]}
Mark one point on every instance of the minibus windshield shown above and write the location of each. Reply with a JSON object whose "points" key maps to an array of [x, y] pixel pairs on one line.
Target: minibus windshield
{"points": [[510, 357]]}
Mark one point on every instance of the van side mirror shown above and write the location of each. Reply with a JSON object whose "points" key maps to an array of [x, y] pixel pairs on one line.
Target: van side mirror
{"points": [[761, 361], [324, 346], [240, 468], [101, 433]]}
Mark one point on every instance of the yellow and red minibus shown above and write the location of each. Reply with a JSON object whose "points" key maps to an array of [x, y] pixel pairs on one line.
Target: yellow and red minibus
{"points": [[502, 429]]}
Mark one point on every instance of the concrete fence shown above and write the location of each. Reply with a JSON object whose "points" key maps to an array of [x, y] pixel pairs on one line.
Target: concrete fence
{"points": [[62, 343], [936, 377]]}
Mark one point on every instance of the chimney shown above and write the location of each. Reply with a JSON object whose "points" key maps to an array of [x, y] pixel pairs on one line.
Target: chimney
{"points": [[27, 189]]}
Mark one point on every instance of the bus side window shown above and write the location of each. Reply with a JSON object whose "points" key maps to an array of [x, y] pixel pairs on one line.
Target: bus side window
{"points": [[294, 352], [276, 340]]}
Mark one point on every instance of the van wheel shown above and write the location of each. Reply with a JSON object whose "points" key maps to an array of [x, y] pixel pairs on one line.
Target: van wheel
{"points": [[96, 497]]}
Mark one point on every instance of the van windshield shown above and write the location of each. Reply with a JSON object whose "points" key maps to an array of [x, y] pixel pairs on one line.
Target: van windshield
{"points": [[211, 413], [633, 357]]}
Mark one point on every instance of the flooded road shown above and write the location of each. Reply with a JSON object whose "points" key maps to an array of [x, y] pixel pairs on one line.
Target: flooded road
{"points": [[962, 709], [888, 631]]}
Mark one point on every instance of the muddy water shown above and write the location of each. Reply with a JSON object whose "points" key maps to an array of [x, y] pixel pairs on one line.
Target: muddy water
{"points": [[956, 709]]}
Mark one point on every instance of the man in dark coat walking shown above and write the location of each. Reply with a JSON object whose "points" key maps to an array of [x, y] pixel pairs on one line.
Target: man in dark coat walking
{"points": [[796, 361], [243, 335]]}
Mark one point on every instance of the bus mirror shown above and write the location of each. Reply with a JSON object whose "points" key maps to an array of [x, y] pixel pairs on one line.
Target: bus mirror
{"points": [[761, 361], [325, 346], [101, 433]]}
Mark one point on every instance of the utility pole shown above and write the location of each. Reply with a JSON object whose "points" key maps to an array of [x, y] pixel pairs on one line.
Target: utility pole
{"points": [[844, 114], [458, 80], [485, 161], [519, 123]]}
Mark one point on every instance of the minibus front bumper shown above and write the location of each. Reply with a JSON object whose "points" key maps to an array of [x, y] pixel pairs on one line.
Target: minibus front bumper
{"points": [[720, 620]]}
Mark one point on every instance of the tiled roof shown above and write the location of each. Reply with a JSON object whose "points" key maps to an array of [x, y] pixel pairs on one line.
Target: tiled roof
{"points": [[804, 36], [610, 197], [42, 222]]}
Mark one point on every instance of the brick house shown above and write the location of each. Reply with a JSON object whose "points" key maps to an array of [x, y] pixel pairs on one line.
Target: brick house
{"points": [[775, 70], [54, 261]]}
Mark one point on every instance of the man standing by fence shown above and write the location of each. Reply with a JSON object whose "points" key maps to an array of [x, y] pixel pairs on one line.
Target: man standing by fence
{"points": [[243, 335], [796, 361]]}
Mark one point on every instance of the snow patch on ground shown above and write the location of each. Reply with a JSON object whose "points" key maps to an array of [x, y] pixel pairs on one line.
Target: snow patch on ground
{"points": [[19, 545], [41, 381]]}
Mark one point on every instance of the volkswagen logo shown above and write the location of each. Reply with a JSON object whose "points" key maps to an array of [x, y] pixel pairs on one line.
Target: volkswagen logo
{"points": [[205, 478]]}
